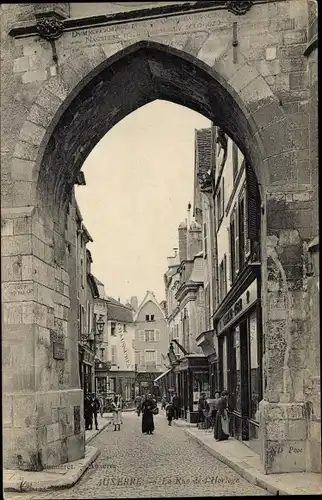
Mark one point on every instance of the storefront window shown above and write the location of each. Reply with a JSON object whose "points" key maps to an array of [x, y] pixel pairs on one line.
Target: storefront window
{"points": [[236, 333], [254, 365], [224, 363]]}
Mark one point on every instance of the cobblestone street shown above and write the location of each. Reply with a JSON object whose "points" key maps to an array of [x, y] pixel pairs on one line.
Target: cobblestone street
{"points": [[167, 464]]}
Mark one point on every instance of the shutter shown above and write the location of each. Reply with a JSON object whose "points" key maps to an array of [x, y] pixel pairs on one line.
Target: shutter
{"points": [[142, 358], [222, 197], [225, 275], [247, 240], [236, 240], [142, 336], [253, 208], [157, 335], [229, 256]]}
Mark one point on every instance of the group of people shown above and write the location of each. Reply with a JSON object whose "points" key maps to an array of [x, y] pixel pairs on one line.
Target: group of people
{"points": [[214, 414], [93, 405]]}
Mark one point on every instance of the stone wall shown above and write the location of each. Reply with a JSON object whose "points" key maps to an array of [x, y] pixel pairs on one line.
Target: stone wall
{"points": [[56, 108]]}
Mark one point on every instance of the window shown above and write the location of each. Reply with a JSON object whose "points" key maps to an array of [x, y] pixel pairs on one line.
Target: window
{"points": [[147, 317], [113, 329], [235, 159], [152, 317], [82, 272], [221, 281], [124, 328], [142, 335], [207, 306], [152, 335], [113, 355], [102, 353], [150, 357]]}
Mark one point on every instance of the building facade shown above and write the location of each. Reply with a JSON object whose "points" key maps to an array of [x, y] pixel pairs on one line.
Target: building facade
{"points": [[233, 337], [120, 332], [151, 342]]}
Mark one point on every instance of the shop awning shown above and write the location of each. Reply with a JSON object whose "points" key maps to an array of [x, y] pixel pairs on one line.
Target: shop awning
{"points": [[162, 375]]}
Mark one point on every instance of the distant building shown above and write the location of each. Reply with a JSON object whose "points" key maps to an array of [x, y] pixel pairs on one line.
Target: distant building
{"points": [[151, 342]]}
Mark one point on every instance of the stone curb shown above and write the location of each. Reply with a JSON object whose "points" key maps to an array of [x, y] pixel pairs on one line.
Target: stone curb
{"points": [[89, 439], [24, 483], [251, 475]]}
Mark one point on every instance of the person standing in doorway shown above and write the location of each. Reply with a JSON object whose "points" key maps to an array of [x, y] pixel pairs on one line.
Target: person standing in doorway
{"points": [[176, 405], [222, 419], [116, 409], [88, 413]]}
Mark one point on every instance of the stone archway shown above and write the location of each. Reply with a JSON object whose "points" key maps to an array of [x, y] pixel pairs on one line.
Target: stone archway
{"points": [[65, 118]]}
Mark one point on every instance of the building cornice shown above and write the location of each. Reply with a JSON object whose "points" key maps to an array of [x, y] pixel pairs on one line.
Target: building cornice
{"points": [[32, 28], [185, 288]]}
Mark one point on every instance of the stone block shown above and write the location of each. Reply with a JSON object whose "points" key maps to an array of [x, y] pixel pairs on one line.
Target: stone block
{"points": [[58, 88], [39, 116], [32, 133], [288, 456], [296, 430], [53, 432], [294, 37], [45, 295], [25, 151], [20, 448], [243, 77], [275, 430], [266, 68], [24, 193], [53, 453], [76, 447], [11, 268], [35, 76], [299, 80], [271, 112], [16, 245], [315, 431], [277, 139], [21, 64], [270, 53], [48, 101], [24, 411], [18, 292], [18, 352], [38, 248], [256, 94], [22, 225], [65, 277], [6, 227]]}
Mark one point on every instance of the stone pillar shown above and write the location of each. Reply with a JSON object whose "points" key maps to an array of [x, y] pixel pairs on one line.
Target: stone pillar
{"points": [[283, 411], [42, 402]]}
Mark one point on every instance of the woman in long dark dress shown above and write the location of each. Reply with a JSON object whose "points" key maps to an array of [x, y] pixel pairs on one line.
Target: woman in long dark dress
{"points": [[221, 432], [148, 407]]}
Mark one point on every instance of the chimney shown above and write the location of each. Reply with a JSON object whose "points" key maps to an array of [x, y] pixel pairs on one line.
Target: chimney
{"points": [[189, 208], [194, 242], [183, 230], [134, 303]]}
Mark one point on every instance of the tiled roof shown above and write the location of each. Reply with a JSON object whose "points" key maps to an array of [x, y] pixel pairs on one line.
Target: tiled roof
{"points": [[118, 312]]}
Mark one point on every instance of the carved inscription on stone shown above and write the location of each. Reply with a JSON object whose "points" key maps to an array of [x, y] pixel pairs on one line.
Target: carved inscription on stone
{"points": [[141, 30], [16, 292]]}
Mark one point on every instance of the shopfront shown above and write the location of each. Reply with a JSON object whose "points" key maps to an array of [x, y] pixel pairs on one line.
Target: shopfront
{"points": [[86, 369], [208, 342], [192, 373], [239, 339]]}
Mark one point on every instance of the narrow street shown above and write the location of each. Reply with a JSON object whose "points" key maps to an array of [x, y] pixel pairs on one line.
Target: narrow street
{"points": [[166, 464]]}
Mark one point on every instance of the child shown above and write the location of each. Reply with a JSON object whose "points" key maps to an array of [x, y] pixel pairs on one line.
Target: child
{"points": [[170, 412]]}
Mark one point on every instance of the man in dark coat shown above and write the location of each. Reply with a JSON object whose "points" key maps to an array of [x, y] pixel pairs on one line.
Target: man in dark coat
{"points": [[148, 408], [176, 405], [96, 408], [88, 413]]}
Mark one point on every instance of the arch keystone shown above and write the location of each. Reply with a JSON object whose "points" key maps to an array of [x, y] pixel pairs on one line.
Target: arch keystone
{"points": [[214, 47]]}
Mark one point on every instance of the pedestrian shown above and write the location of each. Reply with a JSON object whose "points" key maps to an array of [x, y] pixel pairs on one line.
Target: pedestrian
{"points": [[203, 408], [176, 405], [163, 402], [169, 412], [121, 401], [148, 410], [101, 401], [116, 409], [213, 407], [138, 403], [88, 413], [96, 408], [221, 432]]}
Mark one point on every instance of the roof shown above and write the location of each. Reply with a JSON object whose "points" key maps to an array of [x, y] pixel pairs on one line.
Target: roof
{"points": [[118, 312], [93, 285], [98, 282], [149, 297]]}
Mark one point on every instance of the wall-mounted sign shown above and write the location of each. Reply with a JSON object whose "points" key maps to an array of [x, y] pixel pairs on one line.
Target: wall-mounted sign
{"points": [[58, 350], [244, 301]]}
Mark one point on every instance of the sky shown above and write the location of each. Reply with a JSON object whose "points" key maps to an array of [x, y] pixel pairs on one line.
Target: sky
{"points": [[139, 181]]}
